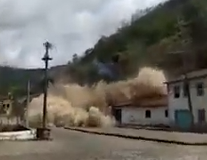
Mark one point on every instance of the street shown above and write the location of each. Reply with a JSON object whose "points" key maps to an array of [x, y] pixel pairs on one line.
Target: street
{"points": [[71, 145]]}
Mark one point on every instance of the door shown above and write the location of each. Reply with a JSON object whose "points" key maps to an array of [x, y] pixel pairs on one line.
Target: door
{"points": [[117, 115], [183, 119], [201, 116]]}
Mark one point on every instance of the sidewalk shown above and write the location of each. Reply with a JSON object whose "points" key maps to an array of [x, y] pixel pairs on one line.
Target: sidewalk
{"points": [[148, 135]]}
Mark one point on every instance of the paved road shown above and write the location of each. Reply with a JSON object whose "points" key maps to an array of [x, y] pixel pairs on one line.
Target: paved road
{"points": [[71, 145]]}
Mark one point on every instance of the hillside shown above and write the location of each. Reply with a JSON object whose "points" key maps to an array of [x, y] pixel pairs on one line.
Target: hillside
{"points": [[15, 79], [149, 39], [144, 41]]}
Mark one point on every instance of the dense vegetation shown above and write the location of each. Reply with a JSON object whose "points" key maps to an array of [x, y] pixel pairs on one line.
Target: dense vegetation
{"points": [[146, 40], [149, 40], [15, 80]]}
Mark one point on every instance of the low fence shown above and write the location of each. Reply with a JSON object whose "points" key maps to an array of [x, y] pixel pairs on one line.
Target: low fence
{"points": [[10, 121]]}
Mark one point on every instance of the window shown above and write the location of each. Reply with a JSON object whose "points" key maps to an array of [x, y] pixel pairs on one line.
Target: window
{"points": [[201, 115], [176, 91], [185, 89], [166, 113], [148, 114], [200, 89], [4, 109]]}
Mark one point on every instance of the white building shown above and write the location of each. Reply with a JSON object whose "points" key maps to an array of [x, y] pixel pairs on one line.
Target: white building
{"points": [[178, 102], [150, 113]]}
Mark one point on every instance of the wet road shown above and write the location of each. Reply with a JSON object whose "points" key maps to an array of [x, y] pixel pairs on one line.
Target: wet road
{"points": [[71, 145]]}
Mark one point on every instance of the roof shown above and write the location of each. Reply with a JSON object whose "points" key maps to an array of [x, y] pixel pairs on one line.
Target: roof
{"points": [[144, 103], [3, 98], [198, 74], [24, 99]]}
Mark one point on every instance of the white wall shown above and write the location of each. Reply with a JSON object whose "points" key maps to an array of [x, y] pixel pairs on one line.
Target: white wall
{"points": [[138, 115], [198, 102]]}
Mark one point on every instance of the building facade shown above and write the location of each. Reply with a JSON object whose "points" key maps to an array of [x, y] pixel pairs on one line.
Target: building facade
{"points": [[5, 106], [178, 104], [143, 114], [10, 113]]}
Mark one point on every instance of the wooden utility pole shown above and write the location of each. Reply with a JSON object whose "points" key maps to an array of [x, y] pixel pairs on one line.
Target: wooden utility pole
{"points": [[46, 59], [183, 35]]}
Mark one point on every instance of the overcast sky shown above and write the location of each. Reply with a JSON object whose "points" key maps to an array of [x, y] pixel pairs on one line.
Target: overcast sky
{"points": [[71, 25]]}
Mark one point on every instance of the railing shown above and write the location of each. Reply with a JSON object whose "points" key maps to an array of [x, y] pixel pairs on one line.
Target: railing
{"points": [[9, 123], [4, 120]]}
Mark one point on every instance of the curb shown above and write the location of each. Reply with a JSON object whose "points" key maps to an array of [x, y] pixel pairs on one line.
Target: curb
{"points": [[139, 137], [18, 136]]}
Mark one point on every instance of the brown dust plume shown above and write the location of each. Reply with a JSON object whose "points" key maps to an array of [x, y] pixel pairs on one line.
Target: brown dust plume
{"points": [[74, 105]]}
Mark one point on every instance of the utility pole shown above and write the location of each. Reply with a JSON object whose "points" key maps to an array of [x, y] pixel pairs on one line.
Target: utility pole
{"points": [[185, 40], [27, 105], [46, 59]]}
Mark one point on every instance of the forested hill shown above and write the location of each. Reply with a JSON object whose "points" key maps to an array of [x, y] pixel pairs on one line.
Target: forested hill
{"points": [[146, 40], [15, 79], [149, 40]]}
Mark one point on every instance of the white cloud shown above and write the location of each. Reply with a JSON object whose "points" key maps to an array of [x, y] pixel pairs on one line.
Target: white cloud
{"points": [[72, 26]]}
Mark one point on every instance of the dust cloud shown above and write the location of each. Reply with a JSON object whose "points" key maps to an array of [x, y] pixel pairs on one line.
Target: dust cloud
{"points": [[74, 105]]}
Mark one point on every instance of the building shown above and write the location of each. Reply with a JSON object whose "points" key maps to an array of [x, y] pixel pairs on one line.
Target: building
{"points": [[6, 104], [11, 112], [178, 104], [148, 112]]}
